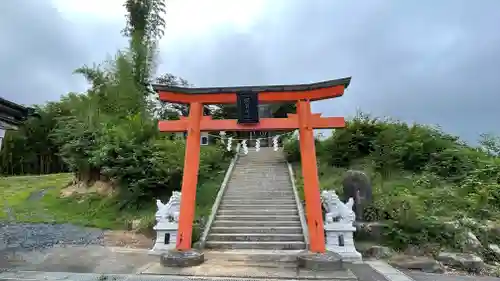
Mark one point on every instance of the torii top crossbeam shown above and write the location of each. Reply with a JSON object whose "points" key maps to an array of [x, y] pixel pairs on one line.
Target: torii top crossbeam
{"points": [[267, 94]]}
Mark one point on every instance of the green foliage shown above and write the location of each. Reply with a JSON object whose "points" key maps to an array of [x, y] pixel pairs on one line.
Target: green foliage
{"points": [[422, 178], [109, 134], [30, 150]]}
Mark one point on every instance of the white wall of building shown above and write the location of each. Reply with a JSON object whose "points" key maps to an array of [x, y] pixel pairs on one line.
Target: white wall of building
{"points": [[2, 134]]}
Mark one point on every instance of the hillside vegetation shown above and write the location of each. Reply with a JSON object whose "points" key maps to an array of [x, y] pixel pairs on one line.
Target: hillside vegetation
{"points": [[428, 186], [101, 158]]}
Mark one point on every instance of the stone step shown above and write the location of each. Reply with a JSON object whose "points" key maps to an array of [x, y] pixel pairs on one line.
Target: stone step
{"points": [[263, 154], [251, 192], [255, 229], [284, 245], [270, 265], [262, 157], [248, 223], [256, 163], [257, 197], [260, 180], [255, 218], [247, 187], [243, 172], [254, 237], [261, 201], [245, 169], [230, 193], [259, 185], [261, 211], [262, 163], [257, 188], [250, 168], [259, 207], [254, 255]]}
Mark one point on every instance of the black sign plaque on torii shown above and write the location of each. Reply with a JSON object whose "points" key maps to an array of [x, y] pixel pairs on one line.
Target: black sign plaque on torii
{"points": [[247, 107]]}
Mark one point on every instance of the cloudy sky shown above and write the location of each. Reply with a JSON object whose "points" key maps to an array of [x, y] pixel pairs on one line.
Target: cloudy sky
{"points": [[427, 61]]}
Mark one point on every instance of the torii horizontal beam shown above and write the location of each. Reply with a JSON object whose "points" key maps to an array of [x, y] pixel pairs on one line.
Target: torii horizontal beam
{"points": [[267, 94], [265, 124]]}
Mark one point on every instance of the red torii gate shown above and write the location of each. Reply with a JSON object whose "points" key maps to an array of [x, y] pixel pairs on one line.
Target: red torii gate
{"points": [[304, 120]]}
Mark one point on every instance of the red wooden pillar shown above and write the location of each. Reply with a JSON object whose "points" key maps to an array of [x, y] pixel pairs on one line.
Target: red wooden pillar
{"points": [[311, 181], [190, 177]]}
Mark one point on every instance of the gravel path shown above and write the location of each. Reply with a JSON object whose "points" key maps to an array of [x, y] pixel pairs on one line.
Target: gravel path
{"points": [[28, 236]]}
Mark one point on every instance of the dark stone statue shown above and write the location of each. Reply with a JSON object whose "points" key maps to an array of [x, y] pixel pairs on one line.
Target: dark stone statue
{"points": [[356, 184]]}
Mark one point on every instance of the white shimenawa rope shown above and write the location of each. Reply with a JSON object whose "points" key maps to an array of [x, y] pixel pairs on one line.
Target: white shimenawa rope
{"points": [[244, 145]]}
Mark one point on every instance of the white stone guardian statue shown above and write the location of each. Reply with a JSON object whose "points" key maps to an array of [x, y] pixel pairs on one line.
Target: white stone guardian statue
{"points": [[332, 203], [339, 227], [167, 223]]}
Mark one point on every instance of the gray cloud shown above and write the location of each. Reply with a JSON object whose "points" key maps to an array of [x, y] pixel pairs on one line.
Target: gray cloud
{"points": [[433, 62], [40, 50]]}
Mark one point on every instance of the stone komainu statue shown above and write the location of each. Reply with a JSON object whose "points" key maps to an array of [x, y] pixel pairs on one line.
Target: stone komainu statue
{"points": [[171, 210]]}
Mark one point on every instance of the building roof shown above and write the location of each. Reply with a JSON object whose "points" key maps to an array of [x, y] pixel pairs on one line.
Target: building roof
{"points": [[12, 113], [272, 88]]}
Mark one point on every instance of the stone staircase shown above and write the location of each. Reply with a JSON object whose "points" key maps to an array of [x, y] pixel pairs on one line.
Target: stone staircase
{"points": [[258, 216]]}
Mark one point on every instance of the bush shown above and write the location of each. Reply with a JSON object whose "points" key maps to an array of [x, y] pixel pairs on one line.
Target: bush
{"points": [[422, 178]]}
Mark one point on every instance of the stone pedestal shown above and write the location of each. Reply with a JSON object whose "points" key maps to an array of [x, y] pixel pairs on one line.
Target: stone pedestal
{"points": [[174, 258], [340, 240], [328, 261], [166, 236]]}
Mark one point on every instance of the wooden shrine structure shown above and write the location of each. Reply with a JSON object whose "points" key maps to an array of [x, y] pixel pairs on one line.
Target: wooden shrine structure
{"points": [[247, 100], [12, 115]]}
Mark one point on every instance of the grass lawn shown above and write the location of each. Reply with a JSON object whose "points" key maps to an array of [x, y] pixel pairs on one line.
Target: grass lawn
{"points": [[22, 202]]}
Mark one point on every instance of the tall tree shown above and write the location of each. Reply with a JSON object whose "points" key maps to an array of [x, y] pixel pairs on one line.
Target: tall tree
{"points": [[145, 26]]}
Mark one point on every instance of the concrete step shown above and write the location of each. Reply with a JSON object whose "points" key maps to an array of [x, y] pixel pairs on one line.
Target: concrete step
{"points": [[257, 237], [248, 223], [258, 187], [260, 163], [259, 180], [250, 188], [250, 192], [255, 218], [268, 163], [267, 245], [259, 207], [244, 173], [230, 193], [262, 211], [260, 202], [270, 265], [254, 196], [251, 168], [255, 229], [271, 171], [254, 255], [262, 157]]}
